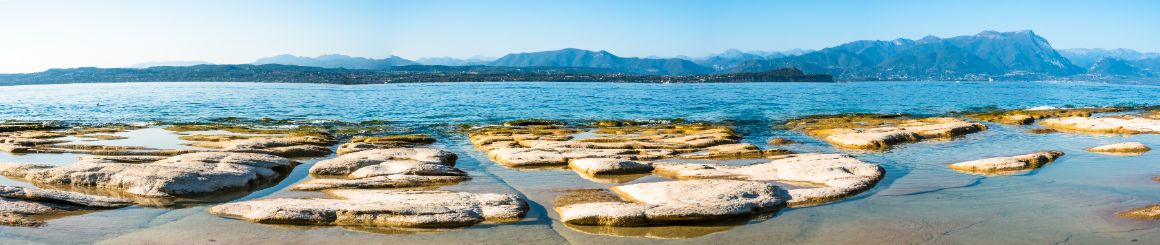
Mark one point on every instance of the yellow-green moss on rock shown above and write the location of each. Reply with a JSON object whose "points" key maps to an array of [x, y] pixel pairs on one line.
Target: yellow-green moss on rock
{"points": [[1025, 116], [881, 131]]}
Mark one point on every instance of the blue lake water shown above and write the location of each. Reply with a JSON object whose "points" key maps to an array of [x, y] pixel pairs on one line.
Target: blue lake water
{"points": [[490, 102], [1073, 200]]}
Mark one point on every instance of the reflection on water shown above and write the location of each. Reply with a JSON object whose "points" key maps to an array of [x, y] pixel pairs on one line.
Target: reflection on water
{"points": [[1072, 200], [678, 231], [153, 137]]}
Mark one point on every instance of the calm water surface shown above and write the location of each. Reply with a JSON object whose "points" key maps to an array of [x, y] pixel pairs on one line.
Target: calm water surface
{"points": [[921, 201]]}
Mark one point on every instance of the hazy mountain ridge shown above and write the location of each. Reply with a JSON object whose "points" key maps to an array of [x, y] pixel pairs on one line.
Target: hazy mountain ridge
{"points": [[449, 61], [988, 55], [731, 58], [1086, 57], [170, 63], [602, 59], [337, 61]]}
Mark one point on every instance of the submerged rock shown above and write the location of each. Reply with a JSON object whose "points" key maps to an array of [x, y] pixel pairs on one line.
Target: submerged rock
{"points": [[1028, 116], [1126, 147], [1042, 131], [882, 131], [734, 151], [186, 174], [826, 177], [25, 145], [676, 201], [781, 141], [554, 145], [39, 145], [381, 208], [386, 168], [18, 203], [280, 146], [1105, 125], [1151, 212], [13, 148], [1007, 165]]}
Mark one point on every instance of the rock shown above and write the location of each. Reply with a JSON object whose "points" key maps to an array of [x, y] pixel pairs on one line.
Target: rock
{"points": [[582, 196], [1028, 116], [186, 174], [279, 146], [781, 141], [514, 157], [734, 151], [1127, 147], [601, 166], [395, 139], [16, 127], [1105, 125], [827, 177], [13, 219], [61, 197], [1042, 131], [626, 144], [36, 134], [215, 137], [1151, 212], [881, 132], [13, 148], [1007, 165], [17, 203], [391, 181], [676, 201], [356, 147], [125, 159], [500, 145], [363, 143], [29, 141], [24, 145], [554, 146], [102, 137], [1015, 119], [521, 157], [533, 122], [349, 163], [381, 208], [386, 168], [35, 145]]}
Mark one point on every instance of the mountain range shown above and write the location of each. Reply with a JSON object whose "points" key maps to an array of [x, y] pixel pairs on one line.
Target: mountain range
{"points": [[337, 61], [602, 60], [988, 55]]}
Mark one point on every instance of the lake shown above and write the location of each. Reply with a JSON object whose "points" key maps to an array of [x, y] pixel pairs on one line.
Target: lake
{"points": [[1073, 200]]}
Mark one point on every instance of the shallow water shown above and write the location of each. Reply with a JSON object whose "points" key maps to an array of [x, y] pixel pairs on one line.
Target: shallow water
{"points": [[1072, 200]]}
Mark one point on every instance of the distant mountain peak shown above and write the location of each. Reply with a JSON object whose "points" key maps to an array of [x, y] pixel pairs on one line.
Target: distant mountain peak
{"points": [[980, 56], [929, 38], [169, 63], [1112, 66], [572, 57], [337, 61]]}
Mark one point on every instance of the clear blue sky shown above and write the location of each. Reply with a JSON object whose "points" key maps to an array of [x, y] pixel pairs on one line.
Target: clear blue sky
{"points": [[41, 34]]}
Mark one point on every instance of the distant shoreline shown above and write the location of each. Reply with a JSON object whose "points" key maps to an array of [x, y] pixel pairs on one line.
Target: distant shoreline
{"points": [[424, 74]]}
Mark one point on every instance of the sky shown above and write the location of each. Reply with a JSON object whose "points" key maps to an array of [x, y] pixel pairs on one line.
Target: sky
{"points": [[40, 34]]}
